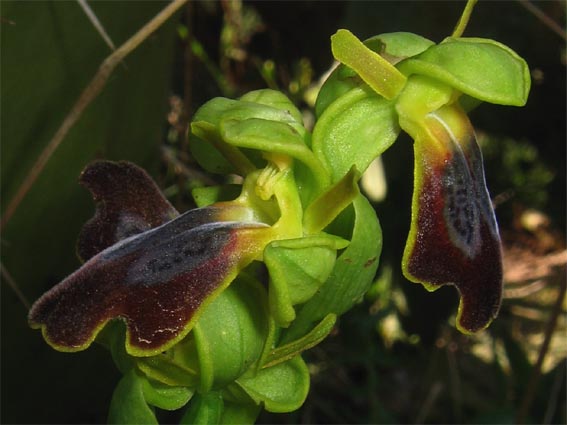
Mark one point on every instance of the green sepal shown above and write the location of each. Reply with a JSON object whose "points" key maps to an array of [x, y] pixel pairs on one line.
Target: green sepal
{"points": [[398, 45], [162, 368], [273, 137], [207, 145], [296, 347], [294, 276], [280, 388], [275, 99], [208, 195], [323, 210], [481, 68], [354, 130], [165, 396], [240, 414], [112, 337], [128, 405], [204, 409], [202, 131], [230, 334], [352, 275]]}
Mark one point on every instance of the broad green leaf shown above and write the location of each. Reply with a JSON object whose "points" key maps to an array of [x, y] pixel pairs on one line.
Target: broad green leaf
{"points": [[354, 130], [230, 333], [165, 396], [281, 388], [128, 405], [294, 276], [204, 409], [481, 68], [295, 348], [124, 122], [351, 277], [49, 52]]}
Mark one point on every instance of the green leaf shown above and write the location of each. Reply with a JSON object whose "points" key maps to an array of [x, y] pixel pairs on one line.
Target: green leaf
{"points": [[294, 276], [295, 348], [354, 130], [50, 51], [281, 388], [376, 71], [481, 68], [128, 405], [230, 333], [204, 409], [351, 277], [165, 396]]}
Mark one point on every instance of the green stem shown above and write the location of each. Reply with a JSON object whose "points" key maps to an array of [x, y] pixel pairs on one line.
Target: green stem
{"points": [[464, 19]]}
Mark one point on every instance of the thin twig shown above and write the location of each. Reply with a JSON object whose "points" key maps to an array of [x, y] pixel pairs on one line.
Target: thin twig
{"points": [[531, 389], [554, 393], [96, 23], [87, 96], [546, 20], [7, 277]]}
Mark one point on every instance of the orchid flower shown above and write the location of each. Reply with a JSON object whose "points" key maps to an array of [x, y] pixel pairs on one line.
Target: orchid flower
{"points": [[401, 81], [213, 307]]}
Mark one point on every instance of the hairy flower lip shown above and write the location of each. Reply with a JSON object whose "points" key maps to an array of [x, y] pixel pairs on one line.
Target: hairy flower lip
{"points": [[156, 280], [156, 293], [453, 237]]}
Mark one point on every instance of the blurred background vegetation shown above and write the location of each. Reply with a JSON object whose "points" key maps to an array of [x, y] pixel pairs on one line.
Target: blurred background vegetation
{"points": [[396, 357]]}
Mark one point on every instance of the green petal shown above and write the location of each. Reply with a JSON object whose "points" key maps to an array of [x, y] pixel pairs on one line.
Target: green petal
{"points": [[481, 68], [295, 348], [323, 210], [230, 333], [128, 405], [376, 71], [393, 46], [294, 276], [165, 396], [352, 275], [205, 409], [281, 388], [354, 130]]}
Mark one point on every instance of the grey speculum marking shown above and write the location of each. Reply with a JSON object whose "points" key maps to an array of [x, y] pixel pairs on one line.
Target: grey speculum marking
{"points": [[461, 209], [179, 254]]}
